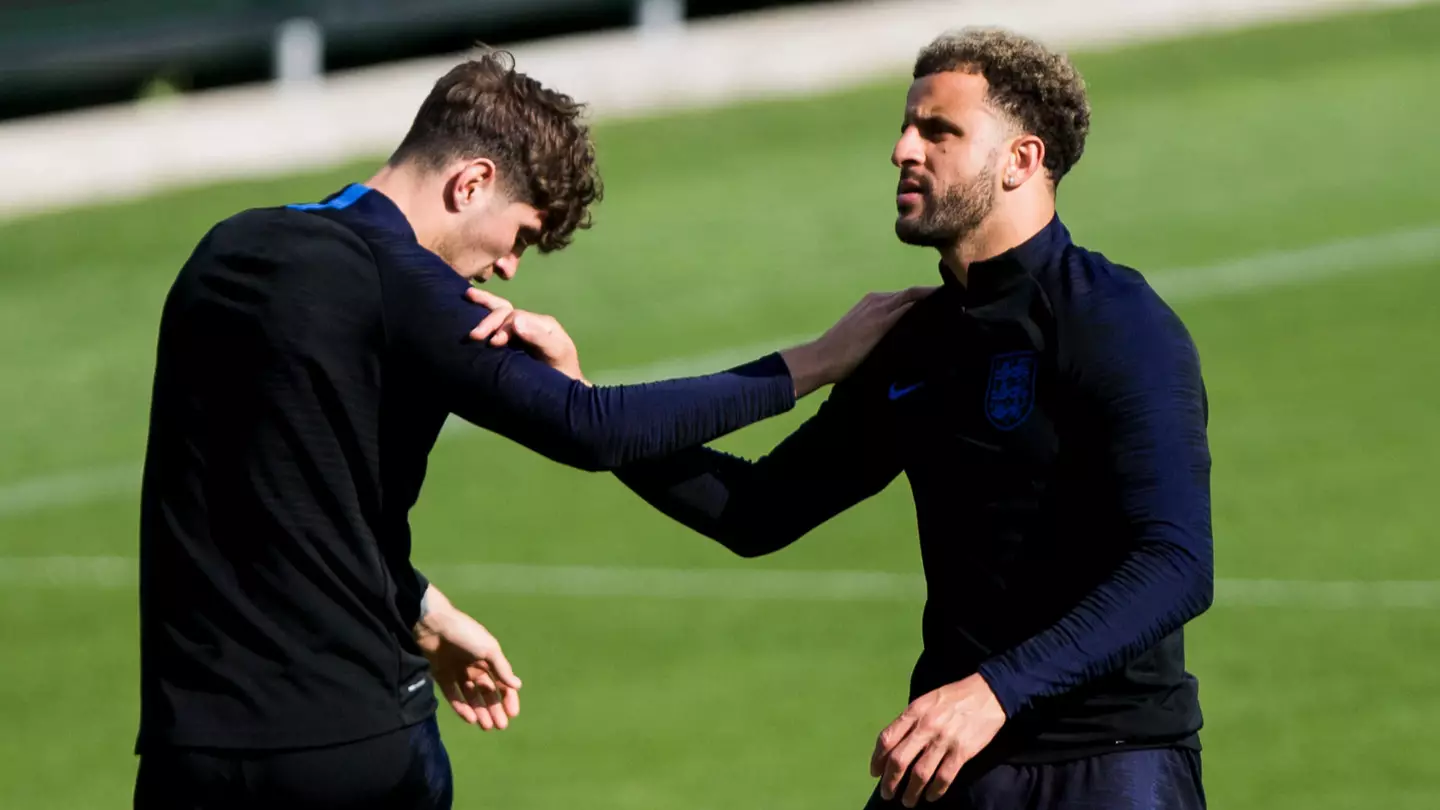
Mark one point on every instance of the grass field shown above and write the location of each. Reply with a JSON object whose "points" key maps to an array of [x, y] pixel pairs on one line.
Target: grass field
{"points": [[740, 226]]}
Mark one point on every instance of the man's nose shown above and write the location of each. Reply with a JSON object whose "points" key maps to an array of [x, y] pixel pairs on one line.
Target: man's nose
{"points": [[907, 148], [507, 265]]}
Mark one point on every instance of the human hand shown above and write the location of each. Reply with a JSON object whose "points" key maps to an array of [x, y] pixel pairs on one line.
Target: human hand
{"points": [[541, 336], [939, 732], [835, 354], [467, 663]]}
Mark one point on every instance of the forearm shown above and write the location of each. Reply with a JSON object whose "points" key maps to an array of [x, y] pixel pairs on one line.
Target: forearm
{"points": [[435, 608], [716, 495], [1151, 594], [508, 391], [836, 459], [601, 428]]}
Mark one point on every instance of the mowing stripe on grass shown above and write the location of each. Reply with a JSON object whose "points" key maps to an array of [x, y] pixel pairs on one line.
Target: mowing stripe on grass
{"points": [[1354, 256], [68, 489], [573, 581]]}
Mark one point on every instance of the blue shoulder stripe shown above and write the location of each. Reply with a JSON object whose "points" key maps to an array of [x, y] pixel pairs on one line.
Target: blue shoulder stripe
{"points": [[345, 199]]}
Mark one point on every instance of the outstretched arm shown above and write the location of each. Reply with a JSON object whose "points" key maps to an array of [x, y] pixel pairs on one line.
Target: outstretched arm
{"points": [[836, 459], [519, 395]]}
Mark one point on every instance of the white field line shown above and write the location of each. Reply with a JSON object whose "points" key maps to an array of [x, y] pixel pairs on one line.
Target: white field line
{"points": [[568, 581], [1354, 256], [69, 489]]}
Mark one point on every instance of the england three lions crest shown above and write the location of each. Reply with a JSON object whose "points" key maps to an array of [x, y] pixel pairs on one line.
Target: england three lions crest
{"points": [[1010, 396]]}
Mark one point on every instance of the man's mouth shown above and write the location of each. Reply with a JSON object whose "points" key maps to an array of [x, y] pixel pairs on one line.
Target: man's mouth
{"points": [[909, 193]]}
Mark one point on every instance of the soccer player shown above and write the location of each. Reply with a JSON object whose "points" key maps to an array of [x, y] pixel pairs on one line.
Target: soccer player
{"points": [[308, 356], [1048, 410]]}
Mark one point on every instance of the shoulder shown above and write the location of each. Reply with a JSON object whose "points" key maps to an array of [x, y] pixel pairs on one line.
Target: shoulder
{"points": [[1099, 301], [288, 276], [895, 358], [278, 237], [1113, 329], [288, 224]]}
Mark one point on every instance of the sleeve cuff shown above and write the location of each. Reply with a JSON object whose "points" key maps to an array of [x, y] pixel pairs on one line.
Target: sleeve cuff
{"points": [[1003, 682], [773, 368]]}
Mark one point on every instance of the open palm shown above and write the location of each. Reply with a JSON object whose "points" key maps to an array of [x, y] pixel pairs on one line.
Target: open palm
{"points": [[467, 663]]}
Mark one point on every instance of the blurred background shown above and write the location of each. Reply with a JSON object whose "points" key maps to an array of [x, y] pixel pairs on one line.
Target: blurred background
{"points": [[62, 54], [1268, 164]]}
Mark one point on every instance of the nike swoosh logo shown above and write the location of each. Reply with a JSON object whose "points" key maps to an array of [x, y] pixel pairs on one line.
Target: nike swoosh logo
{"points": [[994, 448], [896, 393]]}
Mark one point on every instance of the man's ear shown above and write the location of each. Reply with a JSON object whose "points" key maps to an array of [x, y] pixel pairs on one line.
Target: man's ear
{"points": [[1026, 158], [473, 182]]}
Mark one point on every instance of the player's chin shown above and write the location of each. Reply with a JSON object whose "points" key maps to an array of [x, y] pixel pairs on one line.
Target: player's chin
{"points": [[908, 220], [912, 230]]}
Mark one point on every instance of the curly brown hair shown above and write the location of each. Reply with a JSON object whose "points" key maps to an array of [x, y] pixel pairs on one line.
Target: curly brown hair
{"points": [[1037, 88], [485, 108]]}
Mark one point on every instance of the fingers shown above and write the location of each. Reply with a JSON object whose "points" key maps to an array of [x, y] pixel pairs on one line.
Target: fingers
{"points": [[913, 294], [489, 695], [893, 316], [458, 702], [540, 331], [480, 694], [494, 705], [945, 775], [921, 771], [500, 311], [898, 761], [499, 667], [888, 739], [480, 701], [487, 299], [491, 323], [511, 702], [529, 325]]}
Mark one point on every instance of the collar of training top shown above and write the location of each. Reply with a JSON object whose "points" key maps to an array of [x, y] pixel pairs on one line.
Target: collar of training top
{"points": [[373, 206], [995, 278]]}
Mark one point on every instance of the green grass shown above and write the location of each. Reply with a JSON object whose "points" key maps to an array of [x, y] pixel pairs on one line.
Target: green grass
{"points": [[733, 227]]}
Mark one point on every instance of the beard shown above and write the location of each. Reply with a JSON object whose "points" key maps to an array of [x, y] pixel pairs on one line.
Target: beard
{"points": [[448, 249], [952, 216], [457, 248]]}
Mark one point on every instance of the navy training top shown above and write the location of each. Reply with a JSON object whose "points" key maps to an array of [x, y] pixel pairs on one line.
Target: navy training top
{"points": [[1051, 419], [308, 357]]}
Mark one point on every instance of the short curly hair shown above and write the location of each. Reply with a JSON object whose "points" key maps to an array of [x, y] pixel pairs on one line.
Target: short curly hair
{"points": [[483, 107], [1037, 88]]}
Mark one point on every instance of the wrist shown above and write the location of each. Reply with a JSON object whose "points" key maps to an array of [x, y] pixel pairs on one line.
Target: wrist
{"points": [[435, 613], [434, 623], [994, 675], [807, 367], [569, 366]]}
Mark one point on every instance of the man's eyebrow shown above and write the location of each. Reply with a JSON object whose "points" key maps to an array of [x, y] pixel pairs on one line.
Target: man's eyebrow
{"points": [[932, 119]]}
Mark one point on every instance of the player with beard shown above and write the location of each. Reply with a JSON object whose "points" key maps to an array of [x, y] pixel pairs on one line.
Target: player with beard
{"points": [[1048, 410]]}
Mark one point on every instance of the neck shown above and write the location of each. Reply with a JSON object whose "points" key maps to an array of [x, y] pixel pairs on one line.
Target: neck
{"points": [[1007, 227], [407, 188]]}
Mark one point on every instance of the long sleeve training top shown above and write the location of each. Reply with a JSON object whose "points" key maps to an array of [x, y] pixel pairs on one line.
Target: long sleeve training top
{"points": [[1051, 419], [308, 357]]}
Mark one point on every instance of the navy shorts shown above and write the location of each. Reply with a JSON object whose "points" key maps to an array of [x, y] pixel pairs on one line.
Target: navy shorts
{"points": [[1157, 779], [404, 770]]}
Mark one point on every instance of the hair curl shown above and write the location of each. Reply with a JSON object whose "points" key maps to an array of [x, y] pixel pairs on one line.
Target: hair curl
{"points": [[1039, 89], [483, 107]]}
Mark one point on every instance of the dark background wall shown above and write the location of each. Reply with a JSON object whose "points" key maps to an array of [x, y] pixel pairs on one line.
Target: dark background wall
{"points": [[62, 54]]}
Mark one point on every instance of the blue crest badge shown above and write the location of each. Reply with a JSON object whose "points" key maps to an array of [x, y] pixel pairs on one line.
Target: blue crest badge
{"points": [[1010, 396]]}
